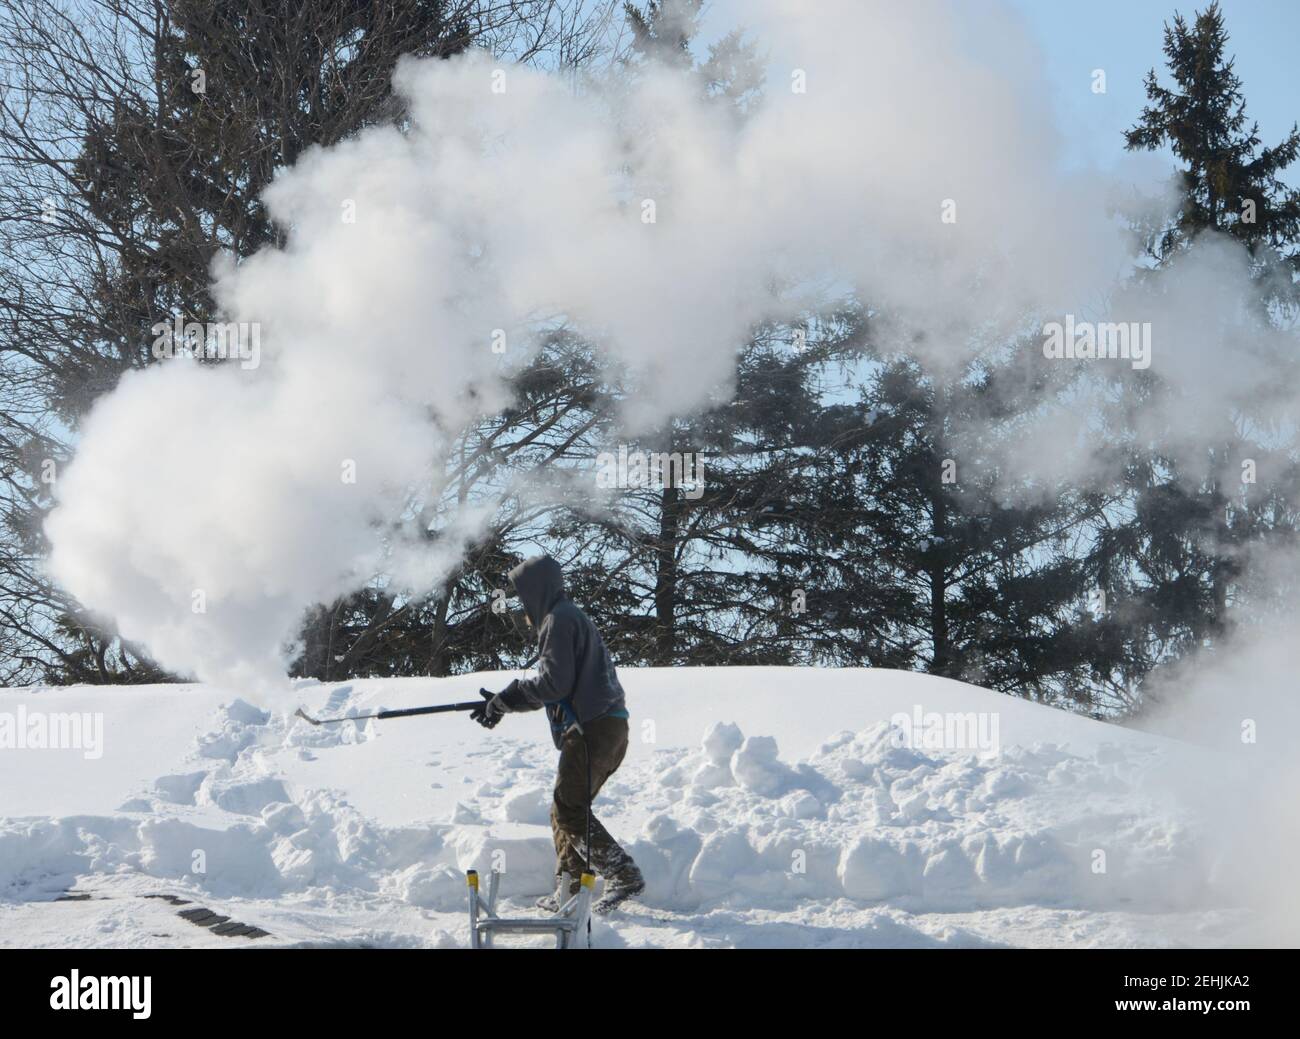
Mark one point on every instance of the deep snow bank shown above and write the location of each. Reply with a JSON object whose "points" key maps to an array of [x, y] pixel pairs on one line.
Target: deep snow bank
{"points": [[747, 791]]}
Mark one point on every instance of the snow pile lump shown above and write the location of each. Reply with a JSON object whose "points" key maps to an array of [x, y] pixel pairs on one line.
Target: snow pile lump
{"points": [[869, 820]]}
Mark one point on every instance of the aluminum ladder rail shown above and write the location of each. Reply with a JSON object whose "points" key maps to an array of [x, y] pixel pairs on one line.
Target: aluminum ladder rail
{"points": [[569, 925]]}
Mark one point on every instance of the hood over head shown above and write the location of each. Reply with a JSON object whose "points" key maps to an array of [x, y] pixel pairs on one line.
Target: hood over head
{"points": [[539, 583]]}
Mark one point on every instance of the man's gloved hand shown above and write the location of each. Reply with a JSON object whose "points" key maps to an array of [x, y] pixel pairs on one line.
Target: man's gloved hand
{"points": [[490, 711]]}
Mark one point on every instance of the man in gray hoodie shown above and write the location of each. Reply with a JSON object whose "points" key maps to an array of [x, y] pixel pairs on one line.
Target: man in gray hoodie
{"points": [[577, 685]]}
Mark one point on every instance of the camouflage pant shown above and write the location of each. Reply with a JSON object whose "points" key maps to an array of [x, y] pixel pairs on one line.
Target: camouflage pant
{"points": [[606, 739]]}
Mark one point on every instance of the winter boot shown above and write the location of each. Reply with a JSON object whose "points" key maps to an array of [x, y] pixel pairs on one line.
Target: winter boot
{"points": [[627, 883], [565, 888]]}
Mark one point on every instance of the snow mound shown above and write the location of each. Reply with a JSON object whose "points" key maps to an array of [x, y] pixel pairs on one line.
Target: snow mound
{"points": [[868, 820], [370, 827]]}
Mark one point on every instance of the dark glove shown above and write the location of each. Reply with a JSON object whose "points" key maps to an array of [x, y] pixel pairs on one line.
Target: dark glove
{"points": [[490, 711]]}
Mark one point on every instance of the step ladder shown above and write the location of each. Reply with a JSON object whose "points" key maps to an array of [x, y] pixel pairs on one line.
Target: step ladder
{"points": [[569, 925]]}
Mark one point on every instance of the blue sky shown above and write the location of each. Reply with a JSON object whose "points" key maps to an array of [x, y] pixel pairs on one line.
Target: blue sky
{"points": [[1124, 37]]}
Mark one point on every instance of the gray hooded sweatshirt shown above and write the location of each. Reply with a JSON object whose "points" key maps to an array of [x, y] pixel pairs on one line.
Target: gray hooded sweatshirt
{"points": [[575, 675]]}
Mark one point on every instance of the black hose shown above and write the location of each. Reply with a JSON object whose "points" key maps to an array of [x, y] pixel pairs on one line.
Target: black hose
{"points": [[586, 750]]}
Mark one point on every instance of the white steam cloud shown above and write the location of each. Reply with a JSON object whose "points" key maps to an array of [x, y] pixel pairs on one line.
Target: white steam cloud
{"points": [[499, 210]]}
